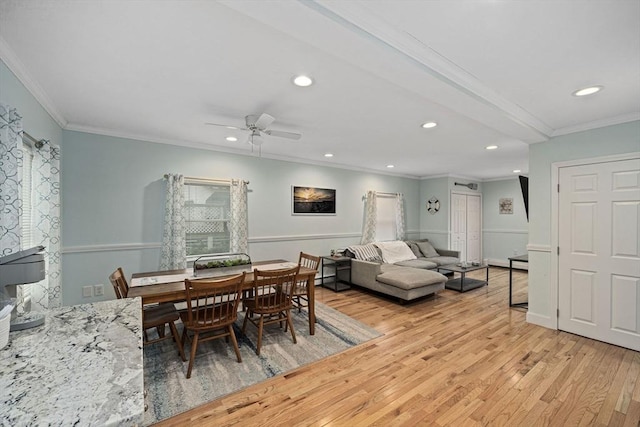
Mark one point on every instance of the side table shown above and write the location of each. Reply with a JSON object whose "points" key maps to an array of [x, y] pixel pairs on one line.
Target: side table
{"points": [[520, 258], [338, 263]]}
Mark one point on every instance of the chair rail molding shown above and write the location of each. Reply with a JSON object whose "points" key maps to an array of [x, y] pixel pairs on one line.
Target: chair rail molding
{"points": [[111, 247], [505, 231], [537, 247]]}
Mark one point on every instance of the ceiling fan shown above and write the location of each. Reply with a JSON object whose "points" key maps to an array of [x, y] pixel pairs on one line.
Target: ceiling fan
{"points": [[258, 125]]}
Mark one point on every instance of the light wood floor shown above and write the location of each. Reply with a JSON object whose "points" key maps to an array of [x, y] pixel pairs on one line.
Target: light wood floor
{"points": [[449, 360]]}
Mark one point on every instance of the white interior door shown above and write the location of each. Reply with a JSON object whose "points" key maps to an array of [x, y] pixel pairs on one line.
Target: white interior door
{"points": [[473, 228], [459, 224], [599, 251]]}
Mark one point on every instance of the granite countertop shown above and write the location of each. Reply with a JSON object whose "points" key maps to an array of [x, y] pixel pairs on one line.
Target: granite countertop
{"points": [[82, 367]]}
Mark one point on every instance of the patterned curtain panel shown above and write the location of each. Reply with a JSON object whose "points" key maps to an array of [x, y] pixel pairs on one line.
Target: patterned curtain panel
{"points": [[239, 217], [400, 227], [174, 241], [46, 223], [370, 219], [10, 179]]}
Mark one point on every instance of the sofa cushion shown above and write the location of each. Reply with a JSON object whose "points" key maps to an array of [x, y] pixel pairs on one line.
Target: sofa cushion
{"points": [[395, 251], [366, 252], [443, 260], [424, 263], [414, 248], [427, 249], [410, 278]]}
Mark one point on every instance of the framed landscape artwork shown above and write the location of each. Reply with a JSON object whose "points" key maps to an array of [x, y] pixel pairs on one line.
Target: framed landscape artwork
{"points": [[313, 201]]}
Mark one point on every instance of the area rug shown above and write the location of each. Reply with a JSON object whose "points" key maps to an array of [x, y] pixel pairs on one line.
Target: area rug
{"points": [[216, 372]]}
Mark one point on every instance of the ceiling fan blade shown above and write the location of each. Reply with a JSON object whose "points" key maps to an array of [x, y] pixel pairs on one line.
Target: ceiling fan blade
{"points": [[264, 121], [226, 126], [282, 134]]}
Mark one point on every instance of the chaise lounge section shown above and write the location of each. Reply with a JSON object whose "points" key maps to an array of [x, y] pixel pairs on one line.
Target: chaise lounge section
{"points": [[406, 279]]}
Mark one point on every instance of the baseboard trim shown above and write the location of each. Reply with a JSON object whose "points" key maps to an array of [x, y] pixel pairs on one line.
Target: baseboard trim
{"points": [[540, 320]]}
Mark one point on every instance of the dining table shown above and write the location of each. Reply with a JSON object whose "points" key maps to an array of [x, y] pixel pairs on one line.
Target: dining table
{"points": [[158, 291]]}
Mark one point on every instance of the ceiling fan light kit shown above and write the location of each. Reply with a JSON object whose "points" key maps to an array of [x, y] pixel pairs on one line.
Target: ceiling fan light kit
{"points": [[255, 138], [258, 125]]}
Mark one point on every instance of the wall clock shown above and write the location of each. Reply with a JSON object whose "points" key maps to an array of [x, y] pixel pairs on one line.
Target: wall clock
{"points": [[433, 205]]}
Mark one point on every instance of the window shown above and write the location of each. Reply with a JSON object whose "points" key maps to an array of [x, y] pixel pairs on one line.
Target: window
{"points": [[385, 218], [26, 221], [207, 213]]}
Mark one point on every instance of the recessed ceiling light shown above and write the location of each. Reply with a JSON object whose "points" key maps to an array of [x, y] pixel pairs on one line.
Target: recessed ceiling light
{"points": [[429, 125], [390, 166], [588, 91], [232, 139], [491, 147], [517, 171], [328, 155], [302, 81]]}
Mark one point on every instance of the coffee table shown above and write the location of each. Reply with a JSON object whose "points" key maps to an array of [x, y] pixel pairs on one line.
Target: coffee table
{"points": [[462, 283]]}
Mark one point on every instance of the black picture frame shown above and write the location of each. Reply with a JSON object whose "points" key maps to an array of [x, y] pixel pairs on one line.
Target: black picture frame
{"points": [[307, 200]]}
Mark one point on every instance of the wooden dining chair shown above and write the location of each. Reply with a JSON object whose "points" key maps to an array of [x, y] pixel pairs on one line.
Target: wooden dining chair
{"points": [[270, 302], [157, 316], [300, 299], [212, 309]]}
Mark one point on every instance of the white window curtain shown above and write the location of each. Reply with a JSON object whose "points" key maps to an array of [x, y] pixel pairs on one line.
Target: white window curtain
{"points": [[11, 158], [45, 181], [174, 247], [10, 179], [239, 217], [370, 219], [400, 227]]}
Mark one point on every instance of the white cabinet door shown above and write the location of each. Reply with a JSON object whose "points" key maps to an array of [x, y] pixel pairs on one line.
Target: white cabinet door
{"points": [[459, 224], [473, 228], [466, 225], [599, 251]]}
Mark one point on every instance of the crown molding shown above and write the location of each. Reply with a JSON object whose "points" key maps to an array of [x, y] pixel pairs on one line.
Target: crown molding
{"points": [[505, 178], [611, 121], [219, 148], [449, 175], [16, 66]]}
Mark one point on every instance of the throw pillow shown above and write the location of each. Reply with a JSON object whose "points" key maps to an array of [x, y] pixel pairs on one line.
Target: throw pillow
{"points": [[415, 249], [366, 252], [395, 251], [427, 249]]}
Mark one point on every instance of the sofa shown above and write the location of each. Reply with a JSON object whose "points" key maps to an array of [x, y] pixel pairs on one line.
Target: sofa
{"points": [[402, 269]]}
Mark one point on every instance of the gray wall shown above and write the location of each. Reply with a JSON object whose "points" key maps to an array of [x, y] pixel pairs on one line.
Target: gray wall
{"points": [[618, 139], [435, 227], [503, 235]]}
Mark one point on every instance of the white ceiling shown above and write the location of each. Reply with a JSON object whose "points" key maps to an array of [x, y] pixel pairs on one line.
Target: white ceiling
{"points": [[488, 71]]}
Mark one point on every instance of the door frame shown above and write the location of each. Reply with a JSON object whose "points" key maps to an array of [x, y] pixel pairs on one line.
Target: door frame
{"points": [[554, 268]]}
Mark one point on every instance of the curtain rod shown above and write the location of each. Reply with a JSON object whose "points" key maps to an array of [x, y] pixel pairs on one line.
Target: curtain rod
{"points": [[383, 194], [32, 141], [191, 178]]}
